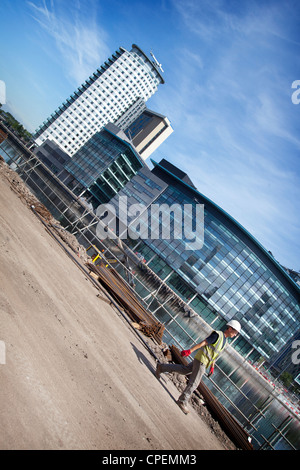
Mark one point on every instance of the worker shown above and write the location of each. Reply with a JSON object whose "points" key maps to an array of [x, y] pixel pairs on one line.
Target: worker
{"points": [[209, 349]]}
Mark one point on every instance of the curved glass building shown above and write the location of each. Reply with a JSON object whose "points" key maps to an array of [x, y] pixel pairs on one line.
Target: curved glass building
{"points": [[231, 276]]}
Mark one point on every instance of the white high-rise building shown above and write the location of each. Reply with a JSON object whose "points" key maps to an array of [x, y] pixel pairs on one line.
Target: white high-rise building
{"points": [[121, 85]]}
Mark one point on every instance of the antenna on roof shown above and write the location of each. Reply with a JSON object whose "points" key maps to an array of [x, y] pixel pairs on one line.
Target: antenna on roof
{"points": [[155, 62]]}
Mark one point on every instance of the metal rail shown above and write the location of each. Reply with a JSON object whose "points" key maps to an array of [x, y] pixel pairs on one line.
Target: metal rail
{"points": [[29, 170]]}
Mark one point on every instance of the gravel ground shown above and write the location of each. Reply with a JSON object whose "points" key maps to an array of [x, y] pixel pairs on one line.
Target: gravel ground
{"points": [[76, 374]]}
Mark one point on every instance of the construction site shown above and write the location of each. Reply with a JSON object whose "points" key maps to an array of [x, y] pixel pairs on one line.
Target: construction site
{"points": [[81, 346]]}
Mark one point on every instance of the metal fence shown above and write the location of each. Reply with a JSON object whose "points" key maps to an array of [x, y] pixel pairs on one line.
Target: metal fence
{"points": [[245, 392]]}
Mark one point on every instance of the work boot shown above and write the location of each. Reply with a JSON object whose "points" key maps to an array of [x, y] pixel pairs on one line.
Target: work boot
{"points": [[158, 371], [182, 407]]}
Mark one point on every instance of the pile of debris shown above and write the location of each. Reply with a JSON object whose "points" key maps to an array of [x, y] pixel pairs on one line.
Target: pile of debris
{"points": [[26, 196], [23, 192], [126, 297], [71, 241]]}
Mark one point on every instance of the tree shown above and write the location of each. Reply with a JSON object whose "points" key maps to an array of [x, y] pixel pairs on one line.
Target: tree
{"points": [[286, 378], [12, 122]]}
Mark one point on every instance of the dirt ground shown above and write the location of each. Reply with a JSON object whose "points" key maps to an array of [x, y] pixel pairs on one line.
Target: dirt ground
{"points": [[76, 375]]}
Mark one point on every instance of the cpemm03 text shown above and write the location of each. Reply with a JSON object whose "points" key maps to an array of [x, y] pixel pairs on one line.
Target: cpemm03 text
{"points": [[166, 459]]}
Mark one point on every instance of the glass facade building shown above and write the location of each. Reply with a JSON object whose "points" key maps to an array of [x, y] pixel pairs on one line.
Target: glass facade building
{"points": [[148, 131], [103, 166], [52, 155], [231, 276]]}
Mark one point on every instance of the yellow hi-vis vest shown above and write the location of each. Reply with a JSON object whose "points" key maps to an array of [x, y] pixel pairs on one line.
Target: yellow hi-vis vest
{"points": [[209, 353]]}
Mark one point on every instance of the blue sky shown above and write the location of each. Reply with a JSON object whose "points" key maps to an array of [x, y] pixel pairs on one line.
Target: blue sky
{"points": [[228, 67]]}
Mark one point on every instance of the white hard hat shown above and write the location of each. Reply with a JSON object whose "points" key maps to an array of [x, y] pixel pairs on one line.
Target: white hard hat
{"points": [[235, 325]]}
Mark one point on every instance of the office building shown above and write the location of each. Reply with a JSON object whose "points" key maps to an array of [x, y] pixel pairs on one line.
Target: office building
{"points": [[132, 113], [121, 85], [91, 162], [231, 276], [52, 156], [147, 131], [288, 358], [102, 166]]}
